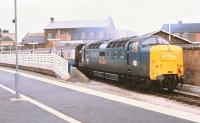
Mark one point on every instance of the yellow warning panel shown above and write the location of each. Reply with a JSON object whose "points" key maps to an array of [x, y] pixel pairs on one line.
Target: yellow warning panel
{"points": [[166, 59]]}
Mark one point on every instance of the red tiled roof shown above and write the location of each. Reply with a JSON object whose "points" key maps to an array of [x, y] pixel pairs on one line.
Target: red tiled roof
{"points": [[10, 35]]}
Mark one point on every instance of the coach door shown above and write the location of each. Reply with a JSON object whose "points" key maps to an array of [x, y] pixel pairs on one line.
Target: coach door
{"points": [[134, 58]]}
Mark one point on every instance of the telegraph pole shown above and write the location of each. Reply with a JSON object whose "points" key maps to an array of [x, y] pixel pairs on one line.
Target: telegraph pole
{"points": [[17, 75]]}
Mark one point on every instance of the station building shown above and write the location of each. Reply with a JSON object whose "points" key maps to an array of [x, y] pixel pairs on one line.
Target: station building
{"points": [[63, 33], [189, 31]]}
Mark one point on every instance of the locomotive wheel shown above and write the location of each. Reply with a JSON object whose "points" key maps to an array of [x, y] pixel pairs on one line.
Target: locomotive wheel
{"points": [[170, 86], [156, 86], [129, 82], [144, 85], [122, 79], [171, 83]]}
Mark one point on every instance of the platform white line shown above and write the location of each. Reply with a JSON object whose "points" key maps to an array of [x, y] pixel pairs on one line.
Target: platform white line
{"points": [[140, 104], [43, 106]]}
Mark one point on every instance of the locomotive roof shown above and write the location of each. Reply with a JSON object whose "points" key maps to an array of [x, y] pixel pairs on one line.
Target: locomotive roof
{"points": [[95, 45], [118, 42]]}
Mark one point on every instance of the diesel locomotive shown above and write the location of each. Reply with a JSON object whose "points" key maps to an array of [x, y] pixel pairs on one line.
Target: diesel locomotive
{"points": [[145, 61]]}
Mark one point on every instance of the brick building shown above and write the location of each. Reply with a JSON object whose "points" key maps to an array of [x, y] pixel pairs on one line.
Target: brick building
{"points": [[58, 34], [189, 31], [177, 40], [33, 41], [7, 40]]}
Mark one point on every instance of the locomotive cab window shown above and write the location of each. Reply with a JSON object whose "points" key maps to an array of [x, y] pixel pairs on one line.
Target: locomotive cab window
{"points": [[162, 41], [135, 47], [150, 41]]}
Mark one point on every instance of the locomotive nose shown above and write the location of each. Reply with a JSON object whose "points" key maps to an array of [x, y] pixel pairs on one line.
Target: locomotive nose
{"points": [[165, 60]]}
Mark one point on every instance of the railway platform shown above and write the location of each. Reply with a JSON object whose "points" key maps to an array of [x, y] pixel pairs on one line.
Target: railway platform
{"points": [[45, 100], [22, 111]]}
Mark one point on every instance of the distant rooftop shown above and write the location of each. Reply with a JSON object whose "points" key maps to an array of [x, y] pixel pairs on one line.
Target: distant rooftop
{"points": [[7, 36], [33, 38], [78, 24], [183, 41], [182, 27]]}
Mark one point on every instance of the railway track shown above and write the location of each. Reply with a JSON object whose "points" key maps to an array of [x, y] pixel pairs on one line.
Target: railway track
{"points": [[176, 95], [180, 96]]}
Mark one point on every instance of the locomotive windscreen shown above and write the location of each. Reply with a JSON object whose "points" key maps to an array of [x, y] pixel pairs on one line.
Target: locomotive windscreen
{"points": [[154, 41]]}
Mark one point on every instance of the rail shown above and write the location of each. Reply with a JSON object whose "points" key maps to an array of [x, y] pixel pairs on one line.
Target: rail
{"points": [[43, 60]]}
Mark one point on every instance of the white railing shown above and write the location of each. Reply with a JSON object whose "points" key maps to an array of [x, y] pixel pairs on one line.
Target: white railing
{"points": [[43, 60]]}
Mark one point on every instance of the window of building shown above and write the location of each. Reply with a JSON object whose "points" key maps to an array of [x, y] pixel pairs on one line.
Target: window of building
{"points": [[177, 34], [75, 35], [91, 35], [185, 35], [83, 35], [100, 35], [63, 31], [50, 35]]}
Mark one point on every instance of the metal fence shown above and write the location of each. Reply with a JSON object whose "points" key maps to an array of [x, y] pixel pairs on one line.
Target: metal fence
{"points": [[43, 60]]}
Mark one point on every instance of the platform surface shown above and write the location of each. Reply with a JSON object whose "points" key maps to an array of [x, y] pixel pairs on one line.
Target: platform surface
{"points": [[80, 106]]}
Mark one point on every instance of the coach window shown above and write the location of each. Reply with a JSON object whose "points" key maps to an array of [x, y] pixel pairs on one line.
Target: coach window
{"points": [[135, 47]]}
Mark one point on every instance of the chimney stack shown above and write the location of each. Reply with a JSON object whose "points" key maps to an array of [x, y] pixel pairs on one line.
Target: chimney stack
{"points": [[52, 19], [180, 22], [5, 31]]}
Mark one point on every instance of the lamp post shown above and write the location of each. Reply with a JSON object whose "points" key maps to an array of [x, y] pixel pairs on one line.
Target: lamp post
{"points": [[17, 74]]}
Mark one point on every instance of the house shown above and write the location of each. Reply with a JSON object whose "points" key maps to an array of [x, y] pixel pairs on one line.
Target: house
{"points": [[172, 38], [124, 33], [33, 41], [7, 40], [63, 33], [189, 31]]}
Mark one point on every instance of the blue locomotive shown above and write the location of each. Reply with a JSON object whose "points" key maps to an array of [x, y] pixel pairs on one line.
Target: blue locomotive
{"points": [[148, 61]]}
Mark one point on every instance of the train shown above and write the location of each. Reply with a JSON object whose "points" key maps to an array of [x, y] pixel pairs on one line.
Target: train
{"points": [[148, 61]]}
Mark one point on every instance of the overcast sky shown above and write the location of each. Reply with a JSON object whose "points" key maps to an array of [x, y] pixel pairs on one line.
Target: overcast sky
{"points": [[141, 16]]}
